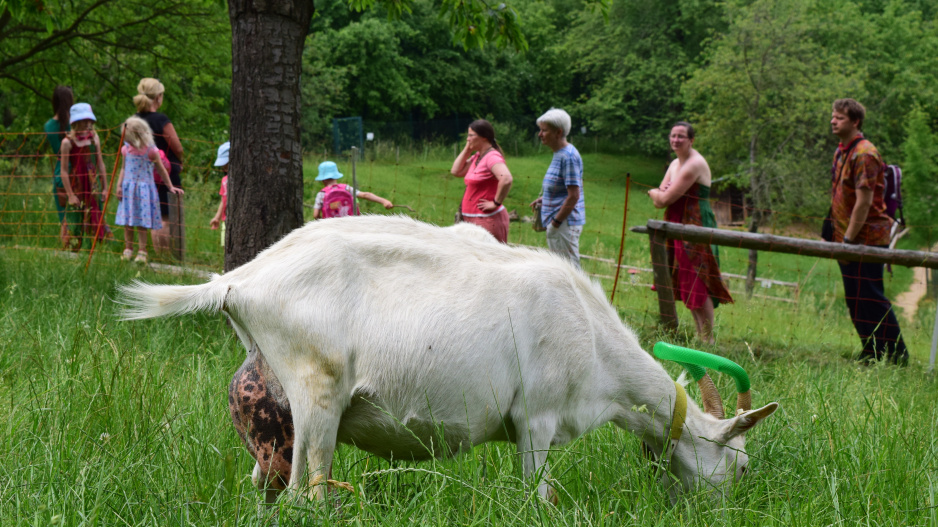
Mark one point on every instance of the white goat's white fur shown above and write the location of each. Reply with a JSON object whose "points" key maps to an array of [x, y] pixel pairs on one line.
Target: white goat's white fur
{"points": [[410, 340]]}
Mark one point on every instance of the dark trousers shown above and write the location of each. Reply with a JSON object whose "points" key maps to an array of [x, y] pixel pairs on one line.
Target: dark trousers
{"points": [[872, 313]]}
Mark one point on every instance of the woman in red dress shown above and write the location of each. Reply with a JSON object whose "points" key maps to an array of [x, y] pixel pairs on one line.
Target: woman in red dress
{"points": [[685, 193]]}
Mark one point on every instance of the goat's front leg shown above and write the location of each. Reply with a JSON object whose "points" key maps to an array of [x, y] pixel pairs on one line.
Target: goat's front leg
{"points": [[533, 442]]}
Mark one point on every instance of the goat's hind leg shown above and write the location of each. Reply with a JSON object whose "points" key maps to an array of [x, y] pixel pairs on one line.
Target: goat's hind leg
{"points": [[317, 410]]}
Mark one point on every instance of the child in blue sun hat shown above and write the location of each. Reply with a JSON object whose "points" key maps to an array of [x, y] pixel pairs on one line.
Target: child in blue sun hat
{"points": [[221, 160], [335, 199]]}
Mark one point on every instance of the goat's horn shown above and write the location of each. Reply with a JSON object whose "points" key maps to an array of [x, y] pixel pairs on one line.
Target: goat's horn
{"points": [[694, 361], [743, 402], [712, 402]]}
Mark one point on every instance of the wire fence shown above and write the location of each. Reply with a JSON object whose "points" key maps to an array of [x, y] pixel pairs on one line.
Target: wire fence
{"points": [[792, 299]]}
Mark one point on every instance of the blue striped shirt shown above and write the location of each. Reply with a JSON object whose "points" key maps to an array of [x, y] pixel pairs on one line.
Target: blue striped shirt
{"points": [[565, 170]]}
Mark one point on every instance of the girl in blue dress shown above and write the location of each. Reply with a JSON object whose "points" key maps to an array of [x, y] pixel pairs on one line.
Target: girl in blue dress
{"points": [[139, 207]]}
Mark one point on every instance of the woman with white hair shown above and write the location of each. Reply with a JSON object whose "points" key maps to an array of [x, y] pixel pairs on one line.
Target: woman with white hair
{"points": [[148, 100], [561, 204]]}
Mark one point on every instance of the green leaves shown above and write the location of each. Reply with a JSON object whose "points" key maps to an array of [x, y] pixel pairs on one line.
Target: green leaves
{"points": [[473, 22], [919, 167]]}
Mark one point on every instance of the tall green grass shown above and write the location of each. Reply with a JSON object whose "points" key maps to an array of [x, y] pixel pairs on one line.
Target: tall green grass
{"points": [[114, 423]]}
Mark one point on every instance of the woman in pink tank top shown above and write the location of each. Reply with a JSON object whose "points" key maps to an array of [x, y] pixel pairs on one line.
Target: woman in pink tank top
{"points": [[482, 166]]}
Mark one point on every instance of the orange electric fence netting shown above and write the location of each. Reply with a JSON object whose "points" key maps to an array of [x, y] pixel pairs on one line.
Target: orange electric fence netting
{"points": [[794, 298], [32, 216]]}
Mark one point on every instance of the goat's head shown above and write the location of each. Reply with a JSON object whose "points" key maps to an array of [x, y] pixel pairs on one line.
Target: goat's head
{"points": [[711, 450]]}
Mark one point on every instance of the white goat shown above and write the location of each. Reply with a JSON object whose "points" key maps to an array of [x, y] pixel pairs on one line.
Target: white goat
{"points": [[412, 341]]}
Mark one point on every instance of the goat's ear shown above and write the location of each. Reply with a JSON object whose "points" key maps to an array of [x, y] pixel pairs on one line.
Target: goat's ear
{"points": [[743, 422]]}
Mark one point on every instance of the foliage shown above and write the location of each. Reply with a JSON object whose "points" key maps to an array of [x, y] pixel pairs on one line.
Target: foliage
{"points": [[897, 50], [757, 76], [919, 171], [407, 69], [103, 47], [762, 98], [630, 69]]}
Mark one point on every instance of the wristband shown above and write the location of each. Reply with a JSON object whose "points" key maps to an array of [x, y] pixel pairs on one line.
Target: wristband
{"points": [[497, 204], [848, 241], [556, 221]]}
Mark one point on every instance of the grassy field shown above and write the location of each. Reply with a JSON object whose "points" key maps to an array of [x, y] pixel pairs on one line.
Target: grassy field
{"points": [[113, 423]]}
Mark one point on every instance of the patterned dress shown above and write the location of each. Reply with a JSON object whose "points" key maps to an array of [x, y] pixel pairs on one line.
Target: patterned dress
{"points": [[140, 203], [695, 272], [80, 172]]}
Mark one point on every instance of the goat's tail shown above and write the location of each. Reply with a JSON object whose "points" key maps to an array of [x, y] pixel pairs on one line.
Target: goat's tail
{"points": [[143, 300]]}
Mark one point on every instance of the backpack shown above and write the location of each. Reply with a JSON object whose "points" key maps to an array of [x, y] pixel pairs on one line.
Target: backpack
{"points": [[337, 202], [892, 196], [156, 173]]}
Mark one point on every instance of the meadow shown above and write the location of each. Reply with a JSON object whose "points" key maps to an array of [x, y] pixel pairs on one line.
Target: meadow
{"points": [[116, 423]]}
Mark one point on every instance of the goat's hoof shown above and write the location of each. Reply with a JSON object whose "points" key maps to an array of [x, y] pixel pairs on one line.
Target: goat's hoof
{"points": [[553, 496]]}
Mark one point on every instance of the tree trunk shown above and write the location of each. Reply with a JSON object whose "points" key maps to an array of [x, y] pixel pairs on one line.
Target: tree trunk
{"points": [[753, 257], [265, 184]]}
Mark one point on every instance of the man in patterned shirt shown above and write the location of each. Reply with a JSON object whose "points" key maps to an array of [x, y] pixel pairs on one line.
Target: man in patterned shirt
{"points": [[563, 209], [859, 217]]}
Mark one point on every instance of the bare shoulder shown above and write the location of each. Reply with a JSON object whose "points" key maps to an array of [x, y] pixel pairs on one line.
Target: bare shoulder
{"points": [[697, 167], [673, 168]]}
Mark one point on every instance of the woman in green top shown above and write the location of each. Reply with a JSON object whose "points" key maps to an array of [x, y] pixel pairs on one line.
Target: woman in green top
{"points": [[56, 128], [685, 192]]}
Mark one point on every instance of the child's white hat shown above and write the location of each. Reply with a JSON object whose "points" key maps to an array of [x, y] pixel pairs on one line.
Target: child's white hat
{"points": [[223, 150], [79, 112]]}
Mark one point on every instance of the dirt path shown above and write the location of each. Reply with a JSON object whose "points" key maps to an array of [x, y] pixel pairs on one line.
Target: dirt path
{"points": [[908, 300]]}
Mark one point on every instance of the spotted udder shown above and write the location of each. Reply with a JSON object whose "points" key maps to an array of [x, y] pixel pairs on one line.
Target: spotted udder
{"points": [[261, 415]]}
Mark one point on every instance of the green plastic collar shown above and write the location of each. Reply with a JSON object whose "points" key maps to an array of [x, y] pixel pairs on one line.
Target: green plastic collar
{"points": [[694, 362]]}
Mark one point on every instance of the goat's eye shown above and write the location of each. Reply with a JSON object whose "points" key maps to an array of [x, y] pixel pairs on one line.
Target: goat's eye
{"points": [[742, 471]]}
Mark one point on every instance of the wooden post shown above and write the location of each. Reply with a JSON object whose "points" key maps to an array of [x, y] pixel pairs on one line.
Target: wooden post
{"points": [[934, 344], [625, 217], [177, 227], [662, 271], [355, 209]]}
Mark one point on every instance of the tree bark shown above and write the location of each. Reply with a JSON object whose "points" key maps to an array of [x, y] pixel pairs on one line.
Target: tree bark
{"points": [[265, 183]]}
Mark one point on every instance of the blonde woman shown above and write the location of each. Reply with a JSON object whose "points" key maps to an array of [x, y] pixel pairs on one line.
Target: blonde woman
{"points": [[148, 100], [139, 207]]}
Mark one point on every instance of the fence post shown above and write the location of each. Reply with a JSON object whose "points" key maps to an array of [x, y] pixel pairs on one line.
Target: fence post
{"points": [[662, 271], [625, 217], [177, 227], [934, 344]]}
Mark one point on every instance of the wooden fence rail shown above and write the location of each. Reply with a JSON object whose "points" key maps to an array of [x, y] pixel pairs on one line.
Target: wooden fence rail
{"points": [[660, 231]]}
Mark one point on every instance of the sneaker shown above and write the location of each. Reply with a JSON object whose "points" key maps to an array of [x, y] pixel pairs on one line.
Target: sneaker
{"points": [[128, 254], [141, 257]]}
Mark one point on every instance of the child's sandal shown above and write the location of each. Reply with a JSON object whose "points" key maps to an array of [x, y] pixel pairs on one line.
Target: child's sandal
{"points": [[128, 254], [141, 257]]}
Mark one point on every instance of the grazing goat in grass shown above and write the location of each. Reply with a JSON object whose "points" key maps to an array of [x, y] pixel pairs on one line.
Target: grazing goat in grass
{"points": [[413, 341]]}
